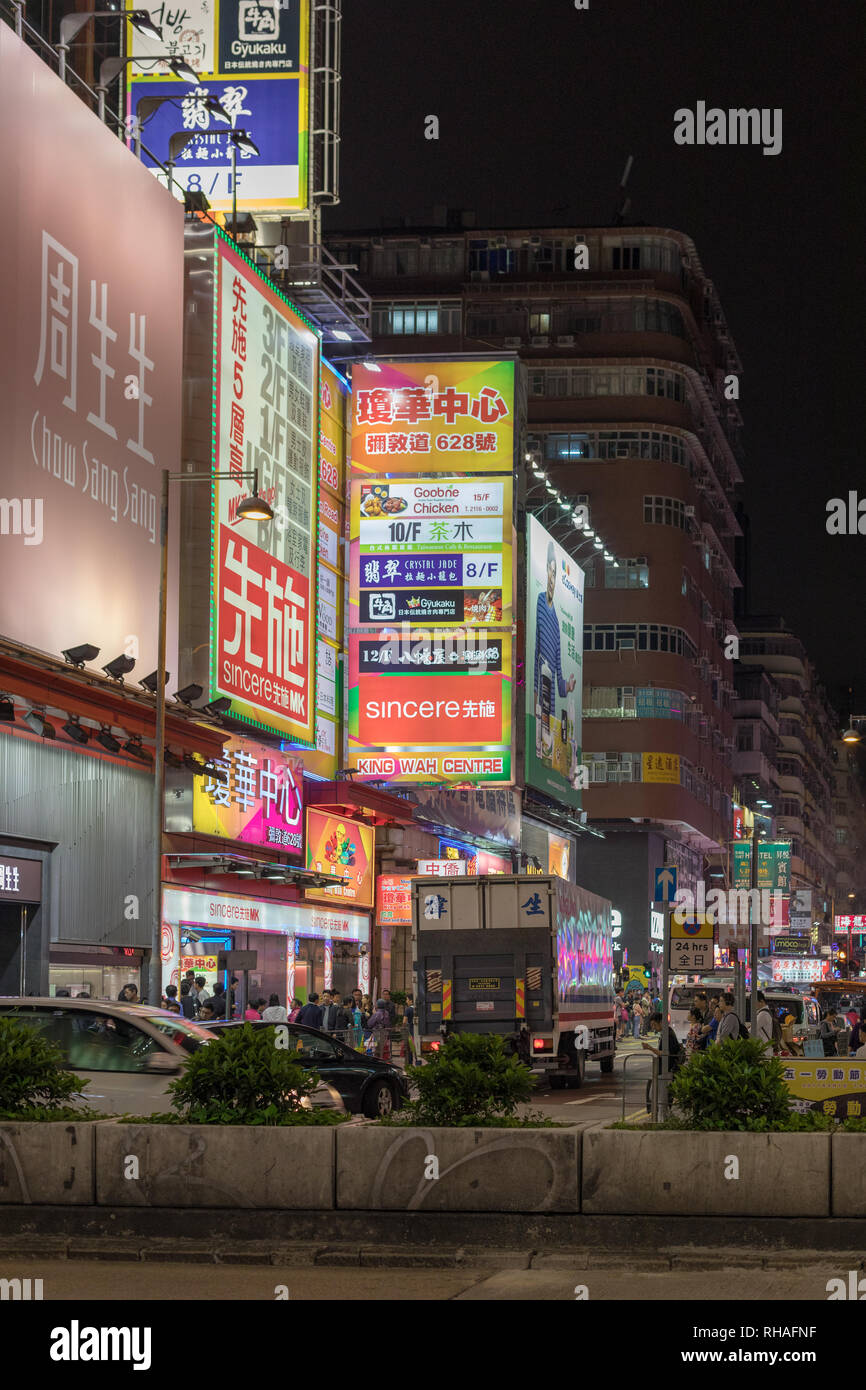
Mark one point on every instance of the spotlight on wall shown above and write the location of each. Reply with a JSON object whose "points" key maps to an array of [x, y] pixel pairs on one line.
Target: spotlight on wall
{"points": [[39, 724], [188, 694], [191, 763], [73, 728], [172, 760], [136, 749], [149, 683], [119, 667], [106, 738], [221, 705], [76, 656]]}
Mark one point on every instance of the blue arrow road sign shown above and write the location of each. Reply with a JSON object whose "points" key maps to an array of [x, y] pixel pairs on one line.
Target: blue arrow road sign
{"points": [[666, 885]]}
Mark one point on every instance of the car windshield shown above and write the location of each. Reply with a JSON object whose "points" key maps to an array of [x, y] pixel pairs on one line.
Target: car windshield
{"points": [[185, 1035]]}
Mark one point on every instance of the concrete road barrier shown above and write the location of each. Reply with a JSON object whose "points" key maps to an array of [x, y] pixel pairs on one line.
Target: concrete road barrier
{"points": [[849, 1175], [407, 1169], [705, 1174], [50, 1163], [286, 1168]]}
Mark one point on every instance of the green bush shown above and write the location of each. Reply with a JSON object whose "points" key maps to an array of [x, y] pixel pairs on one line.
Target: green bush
{"points": [[33, 1082], [244, 1078], [471, 1080], [733, 1085], [398, 997]]}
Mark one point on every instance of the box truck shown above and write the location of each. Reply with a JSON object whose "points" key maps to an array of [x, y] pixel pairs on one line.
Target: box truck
{"points": [[527, 956]]}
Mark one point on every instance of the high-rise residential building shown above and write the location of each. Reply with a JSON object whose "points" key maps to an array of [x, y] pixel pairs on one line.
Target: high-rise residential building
{"points": [[633, 382], [804, 761]]}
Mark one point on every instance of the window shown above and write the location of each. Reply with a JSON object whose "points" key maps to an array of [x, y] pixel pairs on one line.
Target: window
{"points": [[664, 511], [745, 738], [631, 574], [657, 637], [539, 323], [626, 258], [395, 320], [312, 1047]]}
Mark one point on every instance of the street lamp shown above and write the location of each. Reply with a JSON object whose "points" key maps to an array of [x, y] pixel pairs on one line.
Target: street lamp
{"points": [[110, 68], [252, 508], [239, 140], [72, 24]]}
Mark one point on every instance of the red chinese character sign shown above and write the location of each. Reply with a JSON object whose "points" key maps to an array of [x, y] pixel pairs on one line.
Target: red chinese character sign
{"points": [[256, 796], [263, 621], [433, 417]]}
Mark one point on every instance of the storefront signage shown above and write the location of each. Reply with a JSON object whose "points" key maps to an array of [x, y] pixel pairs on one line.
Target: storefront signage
{"points": [[433, 417], [774, 865], [252, 56], [558, 855], [554, 667], [342, 848], [394, 899], [478, 861], [430, 678], [791, 945], [660, 767], [792, 970], [266, 417], [260, 799], [443, 868], [20, 880]]}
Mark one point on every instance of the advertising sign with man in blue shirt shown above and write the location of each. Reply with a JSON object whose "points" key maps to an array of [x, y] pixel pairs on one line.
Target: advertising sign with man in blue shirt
{"points": [[554, 647]]}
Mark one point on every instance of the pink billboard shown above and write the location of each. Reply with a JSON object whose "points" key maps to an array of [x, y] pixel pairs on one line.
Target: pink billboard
{"points": [[91, 301]]}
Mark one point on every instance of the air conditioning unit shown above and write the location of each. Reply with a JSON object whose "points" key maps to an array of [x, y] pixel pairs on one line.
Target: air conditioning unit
{"points": [[511, 342], [565, 340], [690, 511], [541, 340]]}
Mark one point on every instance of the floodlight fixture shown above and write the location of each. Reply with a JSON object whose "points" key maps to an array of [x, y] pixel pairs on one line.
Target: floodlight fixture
{"points": [[36, 721], [221, 705], [106, 738], [149, 683], [136, 749], [243, 142], [119, 667], [188, 694], [7, 710], [76, 656], [73, 729]]}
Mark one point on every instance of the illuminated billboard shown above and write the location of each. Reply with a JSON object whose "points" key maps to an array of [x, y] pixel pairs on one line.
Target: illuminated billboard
{"points": [[433, 417], [554, 667], [257, 796], [430, 603], [252, 56], [90, 374], [264, 580], [344, 849]]}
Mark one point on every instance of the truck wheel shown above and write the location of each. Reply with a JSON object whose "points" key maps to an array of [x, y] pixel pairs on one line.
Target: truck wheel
{"points": [[575, 1079], [606, 1063]]}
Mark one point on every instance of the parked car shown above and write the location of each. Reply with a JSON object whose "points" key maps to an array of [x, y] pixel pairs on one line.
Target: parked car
{"points": [[129, 1053], [368, 1085]]}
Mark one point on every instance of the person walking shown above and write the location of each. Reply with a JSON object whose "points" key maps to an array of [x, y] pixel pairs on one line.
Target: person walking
{"points": [[667, 1040], [763, 1030], [377, 1026], [218, 1000], [170, 1001], [693, 1038], [334, 1017], [637, 1018], [202, 993], [646, 1005], [295, 1010], [729, 1024], [409, 1029], [275, 1013]]}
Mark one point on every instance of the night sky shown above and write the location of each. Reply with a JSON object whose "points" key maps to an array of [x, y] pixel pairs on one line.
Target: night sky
{"points": [[539, 106]]}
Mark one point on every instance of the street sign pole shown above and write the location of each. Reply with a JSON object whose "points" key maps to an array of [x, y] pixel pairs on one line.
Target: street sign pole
{"points": [[663, 1036], [753, 943]]}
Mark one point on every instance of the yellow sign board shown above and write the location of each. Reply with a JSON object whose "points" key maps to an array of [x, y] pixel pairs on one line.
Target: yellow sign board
{"points": [[695, 928], [485, 982], [660, 767], [831, 1085]]}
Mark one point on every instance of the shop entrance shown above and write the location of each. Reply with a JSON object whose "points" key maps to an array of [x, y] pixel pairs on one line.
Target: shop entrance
{"points": [[17, 925]]}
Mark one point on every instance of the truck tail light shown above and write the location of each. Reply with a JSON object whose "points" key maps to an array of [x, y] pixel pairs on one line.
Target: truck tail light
{"points": [[542, 1044], [430, 1046]]}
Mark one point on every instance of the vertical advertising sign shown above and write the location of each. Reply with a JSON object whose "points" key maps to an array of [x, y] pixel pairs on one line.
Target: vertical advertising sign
{"points": [[263, 620], [431, 601], [554, 666], [90, 374], [252, 56], [433, 417]]}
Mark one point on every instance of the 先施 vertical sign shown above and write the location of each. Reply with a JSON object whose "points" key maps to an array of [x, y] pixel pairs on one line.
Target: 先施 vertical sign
{"points": [[263, 618]]}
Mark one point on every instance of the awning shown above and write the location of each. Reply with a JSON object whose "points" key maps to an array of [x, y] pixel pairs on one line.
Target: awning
{"points": [[359, 801]]}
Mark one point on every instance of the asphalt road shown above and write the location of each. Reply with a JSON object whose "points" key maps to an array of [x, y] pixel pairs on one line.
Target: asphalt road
{"points": [[599, 1099]]}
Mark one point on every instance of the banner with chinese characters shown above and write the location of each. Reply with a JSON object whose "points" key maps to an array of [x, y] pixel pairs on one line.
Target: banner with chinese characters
{"points": [[394, 899], [433, 417], [263, 621], [833, 1086], [660, 767], [259, 797], [431, 703], [90, 375], [252, 56], [477, 861], [554, 647], [774, 865], [345, 849]]}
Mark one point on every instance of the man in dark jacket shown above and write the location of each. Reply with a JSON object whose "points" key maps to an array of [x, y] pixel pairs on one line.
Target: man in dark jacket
{"points": [[334, 1016], [311, 1014], [390, 1006]]}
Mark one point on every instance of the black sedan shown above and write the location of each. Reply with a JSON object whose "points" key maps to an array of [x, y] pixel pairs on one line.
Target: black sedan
{"points": [[368, 1085]]}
